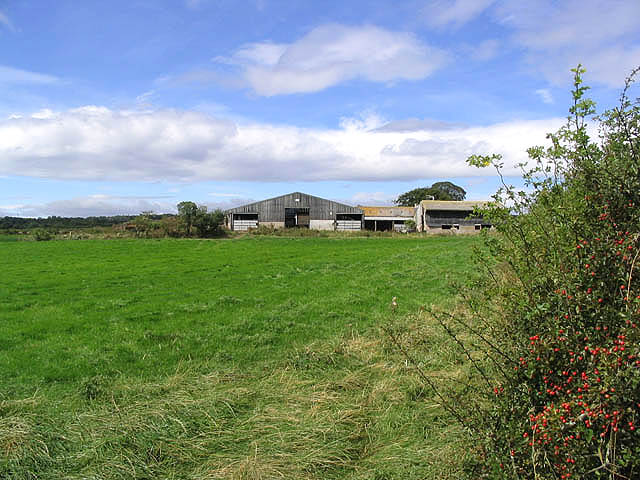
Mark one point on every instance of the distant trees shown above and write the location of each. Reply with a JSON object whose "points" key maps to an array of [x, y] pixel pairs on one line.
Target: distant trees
{"points": [[437, 191]]}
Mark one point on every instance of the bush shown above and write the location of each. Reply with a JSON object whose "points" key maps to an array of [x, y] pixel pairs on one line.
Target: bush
{"points": [[42, 235], [208, 224], [552, 327], [411, 225]]}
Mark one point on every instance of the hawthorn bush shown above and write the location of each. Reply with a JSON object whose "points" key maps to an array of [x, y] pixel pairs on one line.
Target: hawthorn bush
{"points": [[552, 326]]}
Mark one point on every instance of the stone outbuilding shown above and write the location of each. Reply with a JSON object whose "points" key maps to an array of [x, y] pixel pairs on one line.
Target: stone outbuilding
{"points": [[439, 215]]}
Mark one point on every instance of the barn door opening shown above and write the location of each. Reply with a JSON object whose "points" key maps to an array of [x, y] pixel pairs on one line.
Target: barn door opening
{"points": [[348, 221], [296, 217], [244, 221]]}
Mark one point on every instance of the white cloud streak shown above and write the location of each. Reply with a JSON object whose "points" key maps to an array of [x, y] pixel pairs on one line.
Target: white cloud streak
{"points": [[332, 54], [545, 95], [91, 143], [9, 75], [4, 20], [442, 13], [486, 50], [556, 36], [600, 34]]}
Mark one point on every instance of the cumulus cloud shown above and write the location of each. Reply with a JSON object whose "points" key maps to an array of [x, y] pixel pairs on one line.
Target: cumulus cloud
{"points": [[168, 145], [332, 54], [9, 75]]}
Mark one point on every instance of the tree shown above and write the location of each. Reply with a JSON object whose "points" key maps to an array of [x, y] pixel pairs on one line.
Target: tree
{"points": [[454, 191], [439, 191], [208, 223], [187, 212]]}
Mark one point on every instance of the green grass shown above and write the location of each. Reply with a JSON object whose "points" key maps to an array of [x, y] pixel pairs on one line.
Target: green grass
{"points": [[9, 238], [247, 358]]}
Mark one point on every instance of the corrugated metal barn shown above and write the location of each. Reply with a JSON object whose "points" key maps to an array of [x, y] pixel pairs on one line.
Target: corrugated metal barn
{"points": [[295, 210]]}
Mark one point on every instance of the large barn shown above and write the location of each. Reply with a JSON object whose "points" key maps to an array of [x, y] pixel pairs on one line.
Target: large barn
{"points": [[295, 210]]}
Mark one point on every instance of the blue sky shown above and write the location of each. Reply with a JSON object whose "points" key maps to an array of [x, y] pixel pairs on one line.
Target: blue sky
{"points": [[119, 107]]}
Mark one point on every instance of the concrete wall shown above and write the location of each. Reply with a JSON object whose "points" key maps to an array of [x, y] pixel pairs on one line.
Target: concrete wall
{"points": [[272, 224], [321, 225], [453, 231]]}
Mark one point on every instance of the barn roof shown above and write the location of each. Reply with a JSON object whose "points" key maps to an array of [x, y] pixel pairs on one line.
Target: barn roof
{"points": [[452, 205], [388, 211], [289, 200]]}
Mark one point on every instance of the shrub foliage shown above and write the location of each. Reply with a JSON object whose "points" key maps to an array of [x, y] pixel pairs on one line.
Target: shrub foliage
{"points": [[552, 328]]}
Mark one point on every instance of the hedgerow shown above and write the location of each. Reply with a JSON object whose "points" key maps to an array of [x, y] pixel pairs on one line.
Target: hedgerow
{"points": [[552, 326]]}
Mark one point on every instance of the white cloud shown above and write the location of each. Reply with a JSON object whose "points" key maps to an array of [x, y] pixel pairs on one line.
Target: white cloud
{"points": [[371, 198], [441, 13], [333, 54], [416, 124], [9, 75], [485, 50], [600, 34], [545, 95], [91, 205], [229, 195], [97, 143], [603, 35], [4, 20]]}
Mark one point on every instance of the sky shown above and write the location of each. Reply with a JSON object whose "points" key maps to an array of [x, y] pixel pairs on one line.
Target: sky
{"points": [[121, 107]]}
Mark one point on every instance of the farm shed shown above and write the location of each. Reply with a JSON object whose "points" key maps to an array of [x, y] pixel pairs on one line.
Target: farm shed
{"points": [[438, 215], [295, 210], [387, 218]]}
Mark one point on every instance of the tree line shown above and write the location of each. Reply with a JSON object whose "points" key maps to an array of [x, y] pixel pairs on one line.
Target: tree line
{"points": [[192, 220], [65, 223]]}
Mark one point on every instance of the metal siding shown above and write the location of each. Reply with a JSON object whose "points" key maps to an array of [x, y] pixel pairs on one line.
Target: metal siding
{"points": [[272, 209], [342, 225]]}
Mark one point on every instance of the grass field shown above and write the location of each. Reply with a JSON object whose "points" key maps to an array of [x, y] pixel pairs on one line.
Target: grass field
{"points": [[247, 358]]}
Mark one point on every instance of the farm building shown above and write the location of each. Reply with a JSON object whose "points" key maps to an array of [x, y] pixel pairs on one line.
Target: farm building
{"points": [[387, 218], [432, 215], [295, 210]]}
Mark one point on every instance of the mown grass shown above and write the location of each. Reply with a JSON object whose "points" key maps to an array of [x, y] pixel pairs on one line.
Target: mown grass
{"points": [[247, 358]]}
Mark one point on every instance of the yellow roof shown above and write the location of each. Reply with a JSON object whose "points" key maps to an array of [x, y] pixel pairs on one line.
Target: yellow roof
{"points": [[387, 211]]}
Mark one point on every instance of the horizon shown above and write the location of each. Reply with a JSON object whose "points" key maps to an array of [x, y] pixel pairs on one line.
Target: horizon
{"points": [[118, 108]]}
